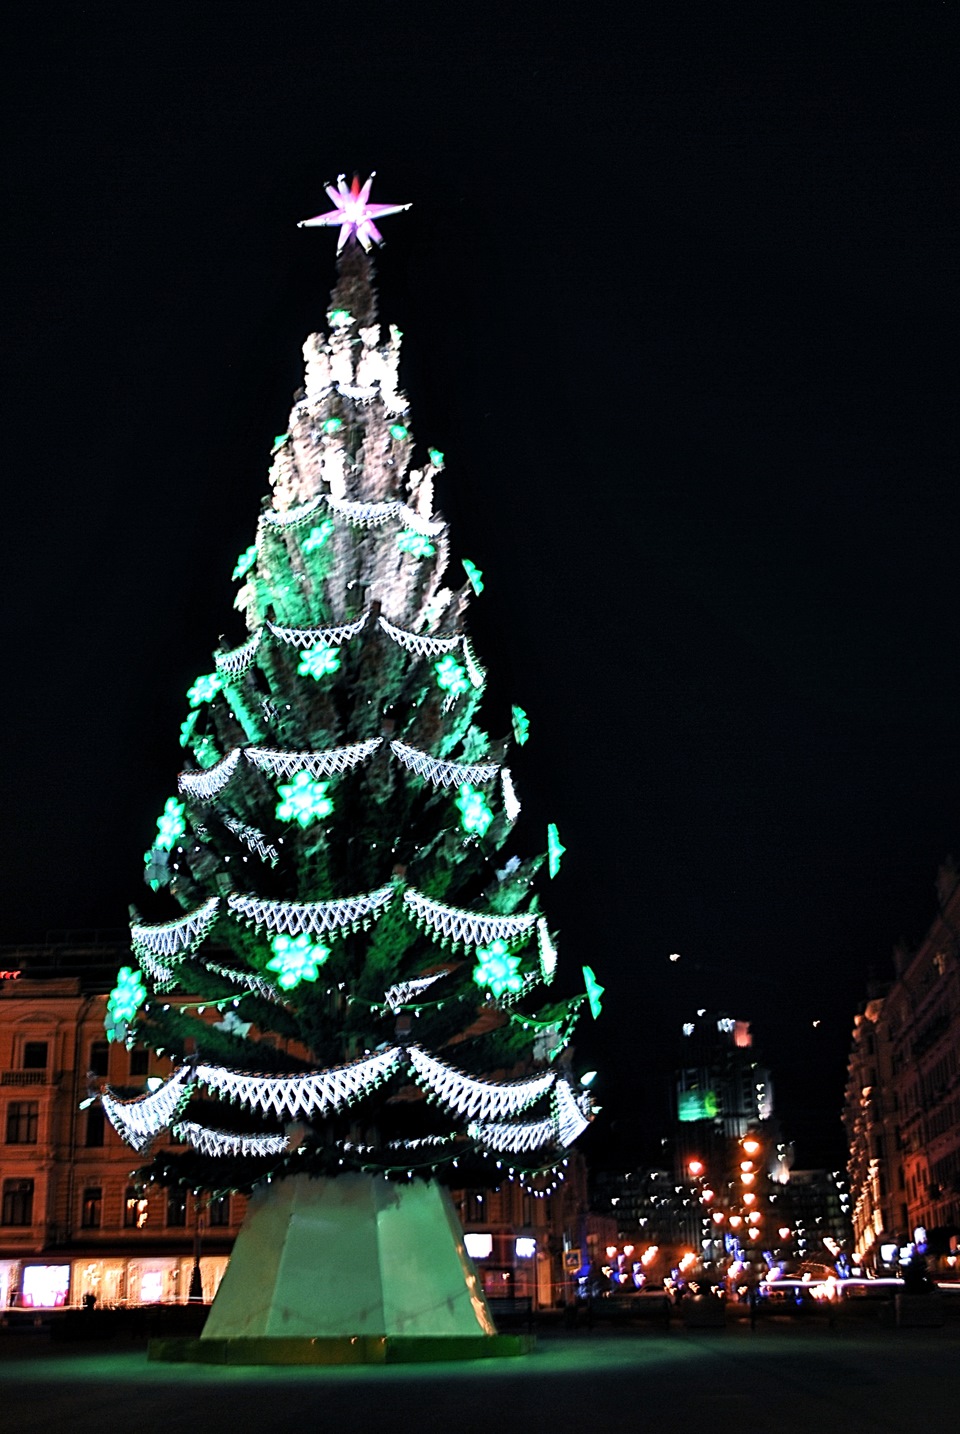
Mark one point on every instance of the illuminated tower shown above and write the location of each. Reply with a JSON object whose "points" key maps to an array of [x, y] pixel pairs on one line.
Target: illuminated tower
{"points": [[353, 995]]}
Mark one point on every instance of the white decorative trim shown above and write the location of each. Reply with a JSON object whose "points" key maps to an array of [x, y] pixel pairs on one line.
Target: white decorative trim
{"points": [[482, 1098], [139, 1120], [253, 839], [468, 928], [311, 636], [224, 1142], [317, 917], [318, 764], [570, 1119], [514, 1139], [364, 515], [293, 517], [176, 938], [420, 643], [548, 952], [161, 976], [204, 786], [475, 672], [239, 659], [443, 774], [511, 802], [251, 980], [429, 527], [405, 991], [314, 1091]]}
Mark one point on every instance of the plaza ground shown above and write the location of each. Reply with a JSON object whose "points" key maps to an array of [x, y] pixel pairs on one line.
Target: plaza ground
{"points": [[782, 1377]]}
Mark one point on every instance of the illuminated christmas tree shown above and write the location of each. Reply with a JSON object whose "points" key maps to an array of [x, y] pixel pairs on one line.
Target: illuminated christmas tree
{"points": [[355, 994]]}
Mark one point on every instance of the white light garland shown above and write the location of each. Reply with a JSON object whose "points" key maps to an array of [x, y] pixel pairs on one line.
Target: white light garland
{"points": [[317, 917], [314, 1091], [364, 515], [161, 976], [292, 517], [475, 672], [481, 1098], [405, 991], [512, 1139], [318, 764], [239, 659], [443, 774], [139, 1120], [467, 928], [429, 527], [570, 1119], [204, 786], [224, 1142], [253, 839], [176, 938], [421, 643], [511, 802], [251, 980], [548, 951], [311, 636]]}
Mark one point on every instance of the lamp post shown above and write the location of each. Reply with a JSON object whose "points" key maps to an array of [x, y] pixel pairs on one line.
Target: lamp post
{"points": [[196, 1279]]}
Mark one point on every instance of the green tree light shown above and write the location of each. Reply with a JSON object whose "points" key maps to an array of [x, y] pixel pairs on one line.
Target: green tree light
{"points": [[319, 661], [451, 676], [170, 824], [415, 543], [474, 575], [296, 959], [555, 849], [123, 1003], [317, 536], [475, 815], [521, 725], [245, 561], [204, 689], [497, 969]]}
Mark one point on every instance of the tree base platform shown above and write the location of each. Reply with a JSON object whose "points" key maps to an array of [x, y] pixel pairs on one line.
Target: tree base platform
{"points": [[341, 1349]]}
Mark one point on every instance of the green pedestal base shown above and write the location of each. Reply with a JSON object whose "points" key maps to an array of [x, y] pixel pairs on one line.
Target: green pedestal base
{"points": [[360, 1349]]}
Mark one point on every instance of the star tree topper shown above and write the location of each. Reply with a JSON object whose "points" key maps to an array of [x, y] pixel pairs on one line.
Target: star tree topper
{"points": [[354, 213]]}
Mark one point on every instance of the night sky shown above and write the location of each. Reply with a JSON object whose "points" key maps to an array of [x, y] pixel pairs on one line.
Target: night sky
{"points": [[679, 303]]}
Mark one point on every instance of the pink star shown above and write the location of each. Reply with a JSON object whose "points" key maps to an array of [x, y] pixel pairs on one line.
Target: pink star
{"points": [[353, 213]]}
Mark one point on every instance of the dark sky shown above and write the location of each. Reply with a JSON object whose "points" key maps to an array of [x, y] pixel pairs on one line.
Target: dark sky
{"points": [[680, 306]]}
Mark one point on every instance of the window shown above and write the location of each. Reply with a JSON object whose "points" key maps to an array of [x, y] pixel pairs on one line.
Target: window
{"points": [[91, 1216], [139, 1061], [100, 1058], [134, 1209], [22, 1117], [34, 1055], [95, 1125], [176, 1208], [17, 1203], [219, 1211]]}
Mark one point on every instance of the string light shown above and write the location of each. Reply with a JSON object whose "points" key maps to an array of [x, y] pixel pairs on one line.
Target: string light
{"points": [[440, 773]]}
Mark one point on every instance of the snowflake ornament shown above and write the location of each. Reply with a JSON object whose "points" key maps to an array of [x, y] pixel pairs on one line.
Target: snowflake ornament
{"points": [[303, 800], [497, 969], [123, 1003], [354, 213], [451, 677], [474, 575], [319, 661], [296, 959], [245, 561], [317, 536], [204, 689], [521, 725], [170, 824], [475, 815], [415, 543]]}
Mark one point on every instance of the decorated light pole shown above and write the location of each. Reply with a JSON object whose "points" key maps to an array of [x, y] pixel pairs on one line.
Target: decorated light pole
{"points": [[355, 994]]}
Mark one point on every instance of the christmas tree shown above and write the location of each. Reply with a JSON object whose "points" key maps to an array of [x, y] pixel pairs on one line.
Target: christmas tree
{"points": [[358, 983]]}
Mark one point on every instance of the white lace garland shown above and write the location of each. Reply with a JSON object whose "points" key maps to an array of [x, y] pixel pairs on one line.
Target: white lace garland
{"points": [[316, 917], [548, 951], [404, 991], [514, 1139], [569, 1117], [311, 636], [204, 786], [443, 774], [429, 527], [420, 643], [481, 1098], [177, 938], [475, 672], [250, 980], [224, 1142], [364, 515], [467, 928], [239, 659], [139, 1120], [253, 839], [293, 517], [318, 764], [314, 1091], [162, 976]]}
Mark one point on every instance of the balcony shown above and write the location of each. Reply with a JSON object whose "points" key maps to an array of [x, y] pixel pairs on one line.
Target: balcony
{"points": [[30, 1077]]}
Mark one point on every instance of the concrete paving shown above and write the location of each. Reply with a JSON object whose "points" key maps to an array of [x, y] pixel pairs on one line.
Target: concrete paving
{"points": [[781, 1378]]}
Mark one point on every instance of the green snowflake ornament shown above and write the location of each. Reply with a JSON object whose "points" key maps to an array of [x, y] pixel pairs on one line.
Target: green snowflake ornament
{"points": [[317, 536], [415, 543], [303, 800], [296, 959], [594, 991], [123, 1003], [521, 725], [186, 728], [555, 849], [497, 969], [436, 457], [339, 318], [332, 425], [170, 824], [475, 815], [319, 661], [399, 431], [245, 561], [204, 689], [474, 575], [451, 677]]}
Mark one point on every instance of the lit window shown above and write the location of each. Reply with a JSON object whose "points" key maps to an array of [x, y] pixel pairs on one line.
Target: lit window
{"points": [[479, 1246]]}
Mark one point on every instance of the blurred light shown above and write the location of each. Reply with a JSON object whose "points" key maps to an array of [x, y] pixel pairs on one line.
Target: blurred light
{"points": [[525, 1247], [479, 1246], [695, 1167], [751, 1146]]}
